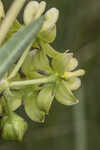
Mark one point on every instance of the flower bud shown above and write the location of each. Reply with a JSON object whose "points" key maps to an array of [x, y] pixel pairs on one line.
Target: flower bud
{"points": [[30, 11], [51, 18], [33, 11], [41, 9], [13, 127], [2, 13]]}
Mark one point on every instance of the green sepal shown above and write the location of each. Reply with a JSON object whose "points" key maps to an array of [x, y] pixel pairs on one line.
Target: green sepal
{"points": [[13, 127], [63, 94], [59, 62], [29, 68], [45, 98], [48, 36], [32, 109], [41, 62], [14, 99], [28, 65]]}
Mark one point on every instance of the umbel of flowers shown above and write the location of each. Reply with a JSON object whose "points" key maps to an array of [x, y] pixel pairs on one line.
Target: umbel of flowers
{"points": [[44, 75]]}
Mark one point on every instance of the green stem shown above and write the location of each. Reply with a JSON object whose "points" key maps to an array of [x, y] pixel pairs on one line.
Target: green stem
{"points": [[80, 123], [49, 50], [10, 18], [20, 62], [32, 82]]}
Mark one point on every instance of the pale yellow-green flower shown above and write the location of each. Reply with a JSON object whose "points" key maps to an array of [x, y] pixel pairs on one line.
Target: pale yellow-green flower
{"points": [[72, 77], [34, 10], [51, 17]]}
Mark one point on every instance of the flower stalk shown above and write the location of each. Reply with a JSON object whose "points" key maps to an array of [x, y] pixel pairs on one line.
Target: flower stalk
{"points": [[49, 79]]}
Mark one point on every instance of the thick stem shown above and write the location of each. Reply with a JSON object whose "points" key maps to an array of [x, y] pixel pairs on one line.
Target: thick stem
{"points": [[10, 18], [32, 82]]}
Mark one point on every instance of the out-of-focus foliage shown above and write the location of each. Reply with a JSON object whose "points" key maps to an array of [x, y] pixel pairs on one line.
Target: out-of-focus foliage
{"points": [[79, 30]]}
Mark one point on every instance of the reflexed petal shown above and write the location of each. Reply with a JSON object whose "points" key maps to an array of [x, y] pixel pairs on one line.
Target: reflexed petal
{"points": [[64, 95], [45, 98], [73, 83], [32, 109], [73, 63], [60, 62], [77, 73]]}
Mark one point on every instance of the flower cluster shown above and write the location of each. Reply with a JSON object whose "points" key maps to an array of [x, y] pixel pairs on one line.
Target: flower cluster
{"points": [[34, 10], [61, 81], [44, 75]]}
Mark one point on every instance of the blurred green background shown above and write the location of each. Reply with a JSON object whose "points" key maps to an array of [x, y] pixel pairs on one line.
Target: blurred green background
{"points": [[75, 127]]}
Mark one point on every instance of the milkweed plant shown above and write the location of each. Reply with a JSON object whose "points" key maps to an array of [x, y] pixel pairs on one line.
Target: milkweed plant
{"points": [[34, 73]]}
